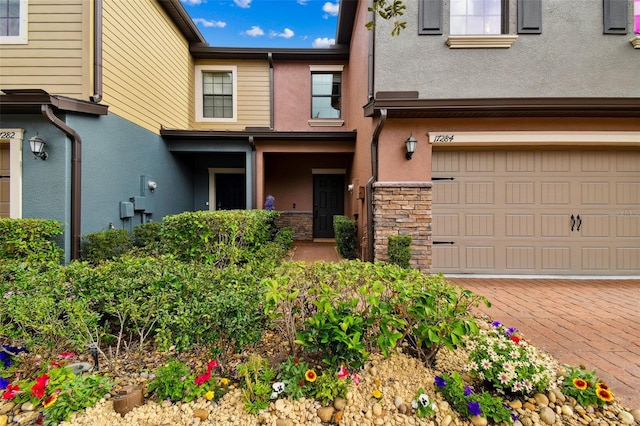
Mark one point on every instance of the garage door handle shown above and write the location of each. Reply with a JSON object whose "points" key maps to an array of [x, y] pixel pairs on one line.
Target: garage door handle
{"points": [[573, 222], [443, 178], [444, 242], [579, 223]]}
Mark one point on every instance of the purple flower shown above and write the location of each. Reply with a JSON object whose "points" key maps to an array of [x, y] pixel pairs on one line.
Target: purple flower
{"points": [[474, 408], [467, 391], [440, 382], [510, 331], [496, 324], [514, 417], [7, 351], [183, 378], [3, 383]]}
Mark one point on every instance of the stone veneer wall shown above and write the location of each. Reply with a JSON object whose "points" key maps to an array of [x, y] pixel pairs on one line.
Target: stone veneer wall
{"points": [[300, 221], [403, 208]]}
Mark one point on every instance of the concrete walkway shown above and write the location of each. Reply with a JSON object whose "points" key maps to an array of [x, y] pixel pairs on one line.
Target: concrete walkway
{"points": [[595, 323]]}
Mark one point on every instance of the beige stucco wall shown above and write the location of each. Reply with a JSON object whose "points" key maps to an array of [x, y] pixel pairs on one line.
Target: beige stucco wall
{"points": [[148, 71], [56, 57]]}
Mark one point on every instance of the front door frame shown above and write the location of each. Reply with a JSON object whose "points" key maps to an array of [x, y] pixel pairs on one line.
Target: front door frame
{"points": [[319, 172], [14, 138], [212, 181]]}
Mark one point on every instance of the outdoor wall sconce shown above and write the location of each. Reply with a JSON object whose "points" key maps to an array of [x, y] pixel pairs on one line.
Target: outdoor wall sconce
{"points": [[37, 145], [152, 185], [410, 143]]}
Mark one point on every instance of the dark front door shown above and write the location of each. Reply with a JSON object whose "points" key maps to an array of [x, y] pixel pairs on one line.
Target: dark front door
{"points": [[328, 201], [230, 191]]}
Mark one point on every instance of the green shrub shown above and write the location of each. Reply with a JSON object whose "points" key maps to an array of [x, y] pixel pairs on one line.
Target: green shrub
{"points": [[346, 237], [219, 238], [400, 250], [30, 240], [147, 234], [104, 245]]}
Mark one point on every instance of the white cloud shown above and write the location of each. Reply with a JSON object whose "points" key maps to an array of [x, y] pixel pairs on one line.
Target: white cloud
{"points": [[303, 2], [245, 4], [209, 24], [192, 2], [323, 42], [287, 33], [331, 8], [255, 31]]}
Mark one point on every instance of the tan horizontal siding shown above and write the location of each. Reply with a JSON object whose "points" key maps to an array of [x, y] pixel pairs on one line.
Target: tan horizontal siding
{"points": [[57, 55], [147, 68], [253, 96]]}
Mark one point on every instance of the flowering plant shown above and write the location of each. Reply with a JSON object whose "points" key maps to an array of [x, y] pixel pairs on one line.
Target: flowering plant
{"points": [[508, 362], [331, 385], [423, 405], [470, 403], [291, 374], [176, 382], [585, 387]]}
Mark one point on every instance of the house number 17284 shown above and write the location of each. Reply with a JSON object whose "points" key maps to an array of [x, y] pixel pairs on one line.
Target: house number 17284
{"points": [[443, 138]]}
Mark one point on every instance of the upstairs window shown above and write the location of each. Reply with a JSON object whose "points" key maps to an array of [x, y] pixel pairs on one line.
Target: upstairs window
{"points": [[216, 89], [13, 21], [477, 17], [326, 94]]}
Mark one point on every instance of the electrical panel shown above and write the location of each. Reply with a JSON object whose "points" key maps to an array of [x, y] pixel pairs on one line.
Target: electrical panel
{"points": [[126, 209]]}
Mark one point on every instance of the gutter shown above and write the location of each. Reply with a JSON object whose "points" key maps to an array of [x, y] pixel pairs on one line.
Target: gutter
{"points": [[97, 52], [373, 179], [76, 175]]}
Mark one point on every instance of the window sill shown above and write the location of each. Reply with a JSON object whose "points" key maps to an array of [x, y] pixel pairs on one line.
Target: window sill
{"points": [[635, 42], [481, 41], [326, 122]]}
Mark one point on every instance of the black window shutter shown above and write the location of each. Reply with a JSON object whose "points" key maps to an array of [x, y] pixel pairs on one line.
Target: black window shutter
{"points": [[615, 13], [529, 16], [430, 17]]}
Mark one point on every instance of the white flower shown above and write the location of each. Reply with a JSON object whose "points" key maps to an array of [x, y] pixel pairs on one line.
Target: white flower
{"points": [[434, 407], [424, 399], [414, 404], [274, 395], [278, 387], [485, 363]]}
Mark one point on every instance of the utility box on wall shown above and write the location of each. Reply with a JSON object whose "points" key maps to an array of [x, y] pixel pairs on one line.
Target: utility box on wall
{"points": [[126, 209], [139, 203]]}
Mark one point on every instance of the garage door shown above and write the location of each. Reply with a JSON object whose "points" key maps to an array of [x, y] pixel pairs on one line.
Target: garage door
{"points": [[4, 180], [556, 212]]}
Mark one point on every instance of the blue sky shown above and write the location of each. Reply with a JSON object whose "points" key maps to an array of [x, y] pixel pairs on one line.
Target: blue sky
{"points": [[265, 23]]}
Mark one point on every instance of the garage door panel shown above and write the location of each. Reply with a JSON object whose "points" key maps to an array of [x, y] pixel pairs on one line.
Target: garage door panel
{"points": [[447, 257], [628, 225], [479, 192], [520, 161], [595, 259], [596, 226], [479, 225], [519, 192], [447, 226], [519, 225], [555, 259], [626, 163], [520, 258], [595, 193], [555, 225], [555, 193], [628, 193], [628, 259], [594, 162], [555, 161], [446, 193], [480, 162], [480, 258], [448, 161]]}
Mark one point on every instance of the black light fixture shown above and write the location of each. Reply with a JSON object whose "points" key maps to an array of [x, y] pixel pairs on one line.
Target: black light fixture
{"points": [[37, 147], [410, 143]]}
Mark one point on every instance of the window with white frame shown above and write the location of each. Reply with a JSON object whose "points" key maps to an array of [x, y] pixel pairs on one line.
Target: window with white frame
{"points": [[13, 21], [326, 94], [476, 17], [216, 93]]}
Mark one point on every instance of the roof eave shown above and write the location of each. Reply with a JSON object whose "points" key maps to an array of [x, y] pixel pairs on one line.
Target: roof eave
{"points": [[31, 101], [258, 135], [504, 107], [183, 21]]}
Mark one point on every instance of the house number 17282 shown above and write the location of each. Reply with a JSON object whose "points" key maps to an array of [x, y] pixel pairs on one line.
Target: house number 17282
{"points": [[7, 135]]}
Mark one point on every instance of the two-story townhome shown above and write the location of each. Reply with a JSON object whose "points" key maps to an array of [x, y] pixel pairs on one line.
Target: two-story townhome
{"points": [[526, 115], [141, 118]]}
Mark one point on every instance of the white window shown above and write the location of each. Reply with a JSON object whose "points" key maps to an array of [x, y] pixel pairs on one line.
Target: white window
{"points": [[13, 21], [476, 17], [216, 93]]}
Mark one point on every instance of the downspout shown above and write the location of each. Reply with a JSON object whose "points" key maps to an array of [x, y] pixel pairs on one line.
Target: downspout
{"points": [[97, 52], [371, 181], [371, 56], [76, 175], [271, 90], [254, 198]]}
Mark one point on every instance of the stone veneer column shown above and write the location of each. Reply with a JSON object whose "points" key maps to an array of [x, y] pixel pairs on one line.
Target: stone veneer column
{"points": [[403, 208]]}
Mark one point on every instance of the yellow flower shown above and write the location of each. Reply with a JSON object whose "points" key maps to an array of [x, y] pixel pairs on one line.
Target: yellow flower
{"points": [[50, 400], [604, 394], [377, 394], [224, 381], [580, 384], [310, 375], [209, 395]]}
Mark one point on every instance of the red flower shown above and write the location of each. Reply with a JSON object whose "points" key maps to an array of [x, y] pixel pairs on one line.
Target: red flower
{"points": [[11, 392], [203, 378], [212, 364], [67, 355], [36, 391], [301, 383], [42, 381], [296, 361], [516, 339], [342, 372]]}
